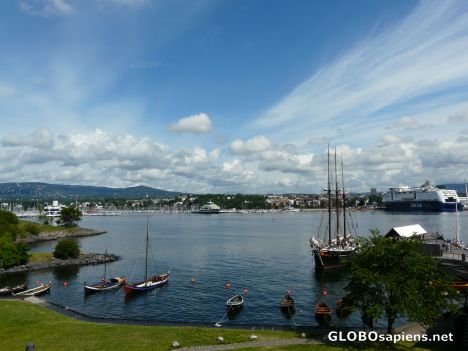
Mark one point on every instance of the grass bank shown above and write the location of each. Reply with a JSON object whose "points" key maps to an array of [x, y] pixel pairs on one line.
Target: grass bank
{"points": [[22, 323]]}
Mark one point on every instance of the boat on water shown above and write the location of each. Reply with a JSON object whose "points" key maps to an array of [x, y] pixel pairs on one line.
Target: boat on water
{"points": [[424, 198], [235, 301], [41, 289], [105, 284], [287, 302], [322, 310], [208, 208], [5, 291], [334, 249], [149, 283]]}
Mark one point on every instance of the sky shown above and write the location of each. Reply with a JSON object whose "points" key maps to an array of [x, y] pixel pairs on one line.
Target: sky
{"points": [[233, 96]]}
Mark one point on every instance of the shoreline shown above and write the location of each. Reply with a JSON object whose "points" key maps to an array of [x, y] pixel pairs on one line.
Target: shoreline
{"points": [[82, 260], [76, 232]]}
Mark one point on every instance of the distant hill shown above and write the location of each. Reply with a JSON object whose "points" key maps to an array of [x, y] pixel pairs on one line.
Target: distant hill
{"points": [[58, 191]]}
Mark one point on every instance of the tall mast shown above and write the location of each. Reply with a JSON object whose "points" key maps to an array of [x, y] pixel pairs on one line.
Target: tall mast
{"points": [[337, 204], [329, 196], [146, 256], [105, 265], [344, 201]]}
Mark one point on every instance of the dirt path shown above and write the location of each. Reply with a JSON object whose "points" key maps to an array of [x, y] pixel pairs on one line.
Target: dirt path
{"points": [[276, 342]]}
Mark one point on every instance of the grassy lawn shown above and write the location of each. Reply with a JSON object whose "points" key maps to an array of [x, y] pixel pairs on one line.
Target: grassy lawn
{"points": [[22, 323], [40, 257]]}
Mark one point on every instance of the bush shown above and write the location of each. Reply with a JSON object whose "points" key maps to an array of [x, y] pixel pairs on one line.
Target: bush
{"points": [[67, 248], [32, 228]]}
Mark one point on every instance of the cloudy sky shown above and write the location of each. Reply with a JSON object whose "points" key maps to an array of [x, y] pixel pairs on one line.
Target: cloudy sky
{"points": [[233, 96]]}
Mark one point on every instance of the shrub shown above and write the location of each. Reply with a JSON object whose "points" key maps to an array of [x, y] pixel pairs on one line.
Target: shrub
{"points": [[66, 248], [32, 228]]}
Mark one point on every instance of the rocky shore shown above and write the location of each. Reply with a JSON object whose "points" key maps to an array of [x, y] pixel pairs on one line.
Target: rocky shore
{"points": [[82, 260], [64, 233]]}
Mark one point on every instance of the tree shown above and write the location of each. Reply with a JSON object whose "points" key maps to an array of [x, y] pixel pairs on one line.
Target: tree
{"points": [[394, 278], [12, 252], [69, 216], [67, 248]]}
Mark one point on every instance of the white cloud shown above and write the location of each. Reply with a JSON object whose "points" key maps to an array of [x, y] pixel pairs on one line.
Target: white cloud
{"points": [[252, 145], [41, 138], [197, 124], [407, 68], [46, 8]]}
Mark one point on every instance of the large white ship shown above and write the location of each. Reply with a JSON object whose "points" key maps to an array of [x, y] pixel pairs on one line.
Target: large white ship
{"points": [[423, 198]]}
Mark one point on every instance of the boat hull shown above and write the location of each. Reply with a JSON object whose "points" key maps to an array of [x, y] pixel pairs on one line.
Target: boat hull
{"points": [[434, 206], [325, 260], [109, 285], [150, 284], [40, 290]]}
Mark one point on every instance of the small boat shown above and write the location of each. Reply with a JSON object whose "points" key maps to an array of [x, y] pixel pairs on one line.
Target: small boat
{"points": [[5, 291], [148, 283], [322, 310], [235, 301], [104, 285], [41, 289], [287, 301], [460, 285]]}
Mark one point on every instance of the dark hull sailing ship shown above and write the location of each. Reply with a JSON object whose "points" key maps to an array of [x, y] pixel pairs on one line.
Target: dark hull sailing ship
{"points": [[150, 283], [336, 249]]}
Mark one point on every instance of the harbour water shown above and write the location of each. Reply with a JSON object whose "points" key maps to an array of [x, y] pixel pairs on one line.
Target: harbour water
{"points": [[261, 254]]}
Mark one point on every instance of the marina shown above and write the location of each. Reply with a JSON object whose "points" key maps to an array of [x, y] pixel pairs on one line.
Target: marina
{"points": [[260, 255]]}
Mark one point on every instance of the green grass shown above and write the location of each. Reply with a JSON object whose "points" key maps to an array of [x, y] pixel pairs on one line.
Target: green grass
{"points": [[40, 257], [42, 228], [22, 323]]}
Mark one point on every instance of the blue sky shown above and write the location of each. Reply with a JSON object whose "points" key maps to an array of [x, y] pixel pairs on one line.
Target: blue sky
{"points": [[233, 96]]}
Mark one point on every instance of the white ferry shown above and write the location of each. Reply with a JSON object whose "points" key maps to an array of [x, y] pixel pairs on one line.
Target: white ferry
{"points": [[209, 208], [423, 198]]}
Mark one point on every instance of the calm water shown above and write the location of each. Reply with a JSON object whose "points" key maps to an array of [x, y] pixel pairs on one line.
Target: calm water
{"points": [[264, 253]]}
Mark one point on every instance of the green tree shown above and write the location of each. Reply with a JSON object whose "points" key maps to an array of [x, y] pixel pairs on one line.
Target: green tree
{"points": [[69, 216], [12, 253], [394, 278], [67, 248]]}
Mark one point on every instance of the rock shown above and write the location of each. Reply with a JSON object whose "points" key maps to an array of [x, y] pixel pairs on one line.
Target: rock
{"points": [[253, 337], [220, 339], [175, 344]]}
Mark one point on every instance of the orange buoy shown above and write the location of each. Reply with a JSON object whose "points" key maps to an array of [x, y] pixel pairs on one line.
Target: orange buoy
{"points": [[194, 280], [228, 285], [289, 292], [65, 284], [324, 293], [246, 291]]}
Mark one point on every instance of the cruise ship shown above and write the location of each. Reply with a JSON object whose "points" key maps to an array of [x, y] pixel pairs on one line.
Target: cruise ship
{"points": [[423, 198]]}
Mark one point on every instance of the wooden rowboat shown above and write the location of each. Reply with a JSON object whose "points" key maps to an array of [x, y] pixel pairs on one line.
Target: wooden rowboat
{"points": [[322, 310], [287, 301], [235, 301], [5, 291], [149, 284], [110, 284], [42, 289]]}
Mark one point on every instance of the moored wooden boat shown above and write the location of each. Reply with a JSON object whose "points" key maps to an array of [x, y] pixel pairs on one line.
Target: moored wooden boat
{"points": [[287, 301], [322, 310], [235, 301], [104, 285], [41, 289], [460, 285], [5, 291], [148, 284]]}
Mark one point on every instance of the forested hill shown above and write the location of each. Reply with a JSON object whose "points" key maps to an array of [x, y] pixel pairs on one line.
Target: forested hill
{"points": [[58, 191]]}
